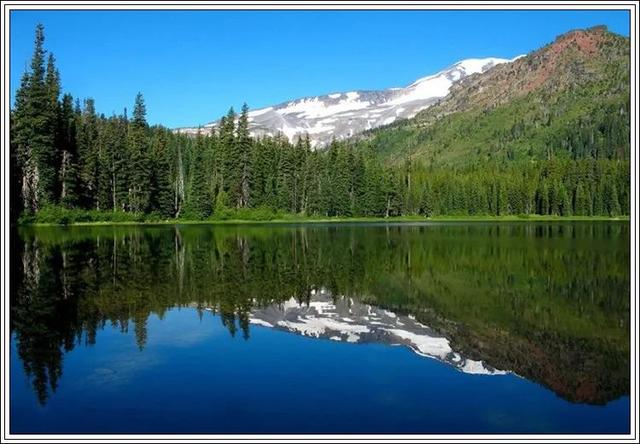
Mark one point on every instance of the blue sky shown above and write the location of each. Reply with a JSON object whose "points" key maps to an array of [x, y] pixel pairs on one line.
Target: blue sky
{"points": [[192, 66]]}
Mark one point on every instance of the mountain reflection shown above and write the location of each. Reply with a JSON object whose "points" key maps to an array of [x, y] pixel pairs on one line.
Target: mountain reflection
{"points": [[351, 321], [549, 302]]}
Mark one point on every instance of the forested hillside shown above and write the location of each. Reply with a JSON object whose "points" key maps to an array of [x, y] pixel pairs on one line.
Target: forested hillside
{"points": [[550, 132], [567, 100], [561, 147]]}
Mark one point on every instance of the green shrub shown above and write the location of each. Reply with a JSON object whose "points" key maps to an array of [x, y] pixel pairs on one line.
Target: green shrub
{"points": [[56, 214]]}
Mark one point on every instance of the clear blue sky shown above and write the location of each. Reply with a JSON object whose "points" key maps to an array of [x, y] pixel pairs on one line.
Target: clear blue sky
{"points": [[192, 65]]}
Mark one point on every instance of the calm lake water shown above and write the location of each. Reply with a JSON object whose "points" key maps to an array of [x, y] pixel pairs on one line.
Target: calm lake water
{"points": [[432, 328]]}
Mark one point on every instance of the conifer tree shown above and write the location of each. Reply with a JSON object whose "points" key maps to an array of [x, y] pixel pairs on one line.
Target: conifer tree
{"points": [[304, 174], [34, 133], [582, 205], [200, 201], [15, 168], [103, 198], [611, 201], [501, 199], [161, 193], [286, 176], [52, 84], [138, 144], [179, 181], [259, 162], [243, 148], [543, 197], [22, 155], [88, 154], [426, 202], [341, 179], [69, 174], [229, 157], [565, 208]]}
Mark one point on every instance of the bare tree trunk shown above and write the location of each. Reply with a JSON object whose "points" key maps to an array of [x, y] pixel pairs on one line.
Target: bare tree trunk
{"points": [[63, 174], [30, 179], [113, 188], [179, 194]]}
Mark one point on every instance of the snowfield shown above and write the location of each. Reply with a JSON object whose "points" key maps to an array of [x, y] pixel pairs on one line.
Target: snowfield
{"points": [[342, 115], [355, 322]]}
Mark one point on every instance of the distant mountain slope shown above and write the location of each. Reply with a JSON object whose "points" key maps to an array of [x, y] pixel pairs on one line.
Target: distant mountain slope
{"points": [[342, 115], [569, 98]]}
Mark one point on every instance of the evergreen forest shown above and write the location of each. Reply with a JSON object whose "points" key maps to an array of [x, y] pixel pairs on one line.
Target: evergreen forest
{"points": [[70, 163]]}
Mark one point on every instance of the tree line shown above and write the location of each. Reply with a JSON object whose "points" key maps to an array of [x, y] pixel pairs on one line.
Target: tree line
{"points": [[66, 155]]}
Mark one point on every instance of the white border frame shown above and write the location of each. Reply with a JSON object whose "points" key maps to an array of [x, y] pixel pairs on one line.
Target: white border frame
{"points": [[8, 6]]}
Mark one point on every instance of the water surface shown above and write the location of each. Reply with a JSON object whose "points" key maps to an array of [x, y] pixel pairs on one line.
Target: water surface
{"points": [[362, 328]]}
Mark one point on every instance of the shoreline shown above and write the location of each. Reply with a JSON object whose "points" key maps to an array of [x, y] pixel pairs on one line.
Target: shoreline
{"points": [[349, 220]]}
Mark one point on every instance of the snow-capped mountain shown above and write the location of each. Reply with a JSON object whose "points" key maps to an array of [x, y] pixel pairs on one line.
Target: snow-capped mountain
{"points": [[341, 115], [348, 320]]}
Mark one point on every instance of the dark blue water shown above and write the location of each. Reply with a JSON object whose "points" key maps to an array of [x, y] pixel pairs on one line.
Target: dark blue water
{"points": [[192, 377], [91, 363]]}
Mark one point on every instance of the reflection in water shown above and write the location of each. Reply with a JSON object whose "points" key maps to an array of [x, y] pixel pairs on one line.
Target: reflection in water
{"points": [[549, 302], [347, 320]]}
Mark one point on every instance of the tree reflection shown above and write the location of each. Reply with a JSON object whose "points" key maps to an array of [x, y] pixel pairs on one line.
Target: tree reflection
{"points": [[547, 301]]}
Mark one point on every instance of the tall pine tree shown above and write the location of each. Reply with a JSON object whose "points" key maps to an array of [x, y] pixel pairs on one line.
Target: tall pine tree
{"points": [[69, 174], [243, 148], [140, 164], [34, 133]]}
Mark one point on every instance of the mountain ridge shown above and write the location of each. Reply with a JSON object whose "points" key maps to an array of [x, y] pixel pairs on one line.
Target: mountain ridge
{"points": [[569, 97], [340, 115]]}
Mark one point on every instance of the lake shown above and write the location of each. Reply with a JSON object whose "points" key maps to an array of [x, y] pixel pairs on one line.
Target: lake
{"points": [[476, 327]]}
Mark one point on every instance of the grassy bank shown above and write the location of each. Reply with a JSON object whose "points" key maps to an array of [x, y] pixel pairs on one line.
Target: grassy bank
{"points": [[61, 216]]}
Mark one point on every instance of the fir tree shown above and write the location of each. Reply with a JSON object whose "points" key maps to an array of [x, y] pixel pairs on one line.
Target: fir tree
{"points": [[138, 144], [286, 177], [22, 155], [304, 174], [15, 167], [199, 202], [611, 201], [88, 154], [229, 157], [34, 120], [161, 199], [543, 198], [243, 148], [582, 205], [69, 174]]}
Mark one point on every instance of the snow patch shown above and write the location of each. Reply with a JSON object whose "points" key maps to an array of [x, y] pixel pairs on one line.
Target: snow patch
{"points": [[314, 108], [313, 326], [424, 345], [289, 304], [478, 368], [257, 321], [472, 66], [340, 115], [260, 112], [353, 321], [352, 338]]}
